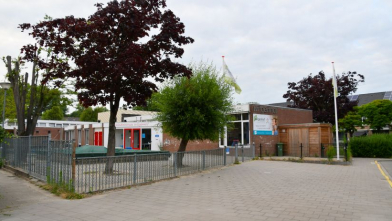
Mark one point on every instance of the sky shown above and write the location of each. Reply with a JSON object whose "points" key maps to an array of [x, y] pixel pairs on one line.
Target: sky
{"points": [[266, 44]]}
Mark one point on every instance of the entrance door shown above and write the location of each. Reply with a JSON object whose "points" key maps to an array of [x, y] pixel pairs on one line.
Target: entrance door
{"points": [[98, 138], [132, 138]]}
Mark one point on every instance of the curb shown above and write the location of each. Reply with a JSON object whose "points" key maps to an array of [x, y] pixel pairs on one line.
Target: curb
{"points": [[383, 173]]}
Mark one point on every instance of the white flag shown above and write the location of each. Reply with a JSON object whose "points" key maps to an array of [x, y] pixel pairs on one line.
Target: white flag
{"points": [[228, 77]]}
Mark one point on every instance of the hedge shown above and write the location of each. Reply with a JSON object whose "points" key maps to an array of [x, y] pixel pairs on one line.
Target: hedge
{"points": [[377, 145]]}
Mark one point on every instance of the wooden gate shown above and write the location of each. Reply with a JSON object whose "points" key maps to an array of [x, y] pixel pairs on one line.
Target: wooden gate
{"points": [[296, 138]]}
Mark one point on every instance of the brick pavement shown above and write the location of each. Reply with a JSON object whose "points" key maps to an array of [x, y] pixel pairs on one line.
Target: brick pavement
{"points": [[257, 190]]}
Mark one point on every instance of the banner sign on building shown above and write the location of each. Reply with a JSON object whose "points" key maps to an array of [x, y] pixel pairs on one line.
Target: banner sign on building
{"points": [[265, 124]]}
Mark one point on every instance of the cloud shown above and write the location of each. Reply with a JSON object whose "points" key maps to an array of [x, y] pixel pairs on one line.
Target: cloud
{"points": [[266, 43]]}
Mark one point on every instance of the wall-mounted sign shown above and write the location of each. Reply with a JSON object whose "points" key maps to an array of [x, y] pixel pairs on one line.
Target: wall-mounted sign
{"points": [[156, 135], [264, 109], [265, 124]]}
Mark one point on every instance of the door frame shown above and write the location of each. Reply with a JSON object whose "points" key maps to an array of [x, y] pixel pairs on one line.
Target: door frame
{"points": [[132, 141]]}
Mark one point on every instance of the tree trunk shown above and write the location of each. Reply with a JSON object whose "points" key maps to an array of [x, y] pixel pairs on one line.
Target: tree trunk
{"points": [[112, 134], [17, 89], [181, 152]]}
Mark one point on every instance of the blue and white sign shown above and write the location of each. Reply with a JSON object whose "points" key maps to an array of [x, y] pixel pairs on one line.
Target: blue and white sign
{"points": [[264, 124], [156, 135]]}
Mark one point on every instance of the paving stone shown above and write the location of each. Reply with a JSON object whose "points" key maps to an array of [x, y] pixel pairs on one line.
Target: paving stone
{"points": [[289, 191]]}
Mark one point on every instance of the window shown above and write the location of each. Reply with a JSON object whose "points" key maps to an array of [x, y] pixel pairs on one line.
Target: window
{"points": [[42, 124], [239, 134], [86, 136], [52, 125], [58, 125]]}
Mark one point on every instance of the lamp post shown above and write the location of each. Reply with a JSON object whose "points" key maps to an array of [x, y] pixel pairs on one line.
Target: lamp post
{"points": [[4, 85]]}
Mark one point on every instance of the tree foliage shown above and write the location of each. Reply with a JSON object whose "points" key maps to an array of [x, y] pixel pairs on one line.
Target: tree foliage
{"points": [[349, 122], [194, 108], [116, 50], [377, 114], [55, 113], [316, 93], [90, 114]]}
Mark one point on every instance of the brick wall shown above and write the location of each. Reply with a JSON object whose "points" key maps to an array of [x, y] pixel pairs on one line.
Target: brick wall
{"points": [[284, 116], [172, 144], [55, 133]]}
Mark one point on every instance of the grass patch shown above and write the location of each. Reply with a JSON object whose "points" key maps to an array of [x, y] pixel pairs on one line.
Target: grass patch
{"points": [[61, 188]]}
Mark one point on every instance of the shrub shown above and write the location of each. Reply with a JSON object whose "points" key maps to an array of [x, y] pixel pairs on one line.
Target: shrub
{"points": [[376, 145], [331, 152]]}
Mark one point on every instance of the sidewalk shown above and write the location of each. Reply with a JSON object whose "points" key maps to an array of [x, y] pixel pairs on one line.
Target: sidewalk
{"points": [[16, 192], [256, 190]]}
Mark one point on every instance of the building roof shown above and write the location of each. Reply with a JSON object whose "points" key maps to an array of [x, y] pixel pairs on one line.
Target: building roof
{"points": [[103, 117], [361, 98], [367, 98]]}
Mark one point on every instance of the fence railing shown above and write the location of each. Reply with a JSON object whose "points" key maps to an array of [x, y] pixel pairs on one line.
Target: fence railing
{"points": [[52, 161], [39, 156]]}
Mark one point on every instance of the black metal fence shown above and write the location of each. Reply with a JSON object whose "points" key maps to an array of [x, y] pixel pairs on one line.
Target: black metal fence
{"points": [[52, 161]]}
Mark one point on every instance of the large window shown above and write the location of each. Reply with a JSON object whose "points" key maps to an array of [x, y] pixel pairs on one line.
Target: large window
{"points": [[239, 133]]}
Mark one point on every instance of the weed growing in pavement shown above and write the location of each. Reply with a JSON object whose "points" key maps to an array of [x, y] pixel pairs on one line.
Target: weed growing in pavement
{"points": [[61, 188]]}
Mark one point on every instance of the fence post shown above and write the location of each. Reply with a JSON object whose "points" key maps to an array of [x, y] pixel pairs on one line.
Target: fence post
{"points": [[73, 158], [29, 155], [204, 159], [301, 150], [253, 150], [224, 156], [345, 151], [175, 164], [134, 168], [242, 152], [236, 153], [260, 151], [48, 165], [14, 143]]}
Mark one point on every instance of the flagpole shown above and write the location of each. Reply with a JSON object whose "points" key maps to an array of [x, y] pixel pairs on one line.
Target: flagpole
{"points": [[335, 91]]}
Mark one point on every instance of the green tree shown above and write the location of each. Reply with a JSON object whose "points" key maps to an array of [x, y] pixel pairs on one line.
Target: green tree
{"points": [[90, 114], [377, 113], [194, 108], [350, 122], [55, 113], [78, 111]]}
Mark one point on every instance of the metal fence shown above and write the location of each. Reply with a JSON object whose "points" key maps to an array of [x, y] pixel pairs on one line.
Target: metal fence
{"points": [[40, 157], [52, 161], [326, 146], [92, 174]]}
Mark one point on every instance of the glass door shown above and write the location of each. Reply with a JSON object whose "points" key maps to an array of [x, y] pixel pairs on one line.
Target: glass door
{"points": [[132, 139]]}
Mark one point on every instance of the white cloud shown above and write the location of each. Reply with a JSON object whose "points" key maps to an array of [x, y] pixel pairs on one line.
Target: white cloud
{"points": [[266, 43]]}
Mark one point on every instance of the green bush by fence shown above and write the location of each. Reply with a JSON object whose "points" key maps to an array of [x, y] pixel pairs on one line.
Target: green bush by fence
{"points": [[377, 145]]}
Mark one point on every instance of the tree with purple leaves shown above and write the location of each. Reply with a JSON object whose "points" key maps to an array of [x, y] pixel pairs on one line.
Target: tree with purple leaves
{"points": [[119, 52], [316, 93]]}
